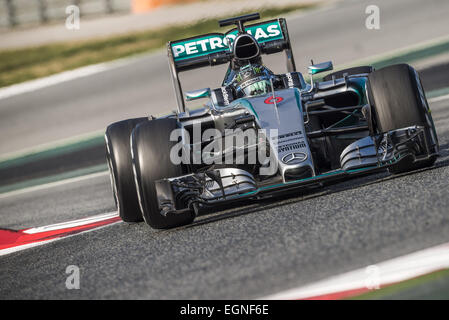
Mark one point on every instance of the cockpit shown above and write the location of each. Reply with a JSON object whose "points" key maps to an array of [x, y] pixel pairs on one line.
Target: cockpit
{"points": [[250, 80]]}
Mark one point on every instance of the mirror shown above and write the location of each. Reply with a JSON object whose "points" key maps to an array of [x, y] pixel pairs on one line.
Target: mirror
{"points": [[320, 67], [198, 94]]}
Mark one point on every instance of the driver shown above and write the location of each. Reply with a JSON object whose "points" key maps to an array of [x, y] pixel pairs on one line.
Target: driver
{"points": [[252, 79]]}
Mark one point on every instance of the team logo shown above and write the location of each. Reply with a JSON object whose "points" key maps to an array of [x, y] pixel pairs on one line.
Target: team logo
{"points": [[273, 100], [225, 96], [294, 157]]}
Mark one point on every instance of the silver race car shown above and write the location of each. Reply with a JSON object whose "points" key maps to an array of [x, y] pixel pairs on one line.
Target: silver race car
{"points": [[262, 133]]}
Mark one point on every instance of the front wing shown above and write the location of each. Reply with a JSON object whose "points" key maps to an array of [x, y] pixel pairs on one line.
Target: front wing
{"points": [[219, 186]]}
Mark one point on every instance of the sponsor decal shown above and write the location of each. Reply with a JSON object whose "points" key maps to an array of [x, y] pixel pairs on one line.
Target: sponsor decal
{"points": [[294, 157], [272, 100], [291, 139], [217, 42], [197, 47], [225, 96], [263, 32], [291, 146], [290, 134]]}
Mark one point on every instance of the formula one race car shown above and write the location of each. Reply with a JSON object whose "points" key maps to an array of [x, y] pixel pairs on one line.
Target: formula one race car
{"points": [[262, 133]]}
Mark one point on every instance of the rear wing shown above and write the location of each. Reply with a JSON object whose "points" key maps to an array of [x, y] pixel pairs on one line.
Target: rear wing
{"points": [[215, 49]]}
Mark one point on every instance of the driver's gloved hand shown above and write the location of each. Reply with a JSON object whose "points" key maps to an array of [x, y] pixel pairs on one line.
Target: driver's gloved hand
{"points": [[258, 88]]}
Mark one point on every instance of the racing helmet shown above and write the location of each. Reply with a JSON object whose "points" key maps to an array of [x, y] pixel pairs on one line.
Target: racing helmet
{"points": [[252, 79]]}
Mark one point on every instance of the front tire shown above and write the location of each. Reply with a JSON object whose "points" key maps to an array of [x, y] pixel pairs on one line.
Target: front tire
{"points": [[118, 156], [151, 148], [398, 100]]}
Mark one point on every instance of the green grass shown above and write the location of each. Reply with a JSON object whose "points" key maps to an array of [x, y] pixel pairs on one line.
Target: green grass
{"points": [[395, 291], [30, 63]]}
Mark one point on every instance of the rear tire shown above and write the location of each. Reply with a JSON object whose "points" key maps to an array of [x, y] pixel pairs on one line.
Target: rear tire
{"points": [[118, 155], [398, 100], [151, 148], [349, 71]]}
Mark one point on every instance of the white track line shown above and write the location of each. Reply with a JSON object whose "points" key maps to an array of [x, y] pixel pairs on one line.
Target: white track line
{"points": [[74, 223], [388, 272], [4, 252], [52, 184], [440, 98], [63, 225], [37, 84], [7, 251], [33, 85]]}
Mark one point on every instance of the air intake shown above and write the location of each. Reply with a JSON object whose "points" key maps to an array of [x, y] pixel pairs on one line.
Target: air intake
{"points": [[246, 47]]}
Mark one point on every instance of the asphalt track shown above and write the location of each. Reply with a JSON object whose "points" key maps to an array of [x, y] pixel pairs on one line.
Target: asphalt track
{"points": [[245, 252], [143, 86]]}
